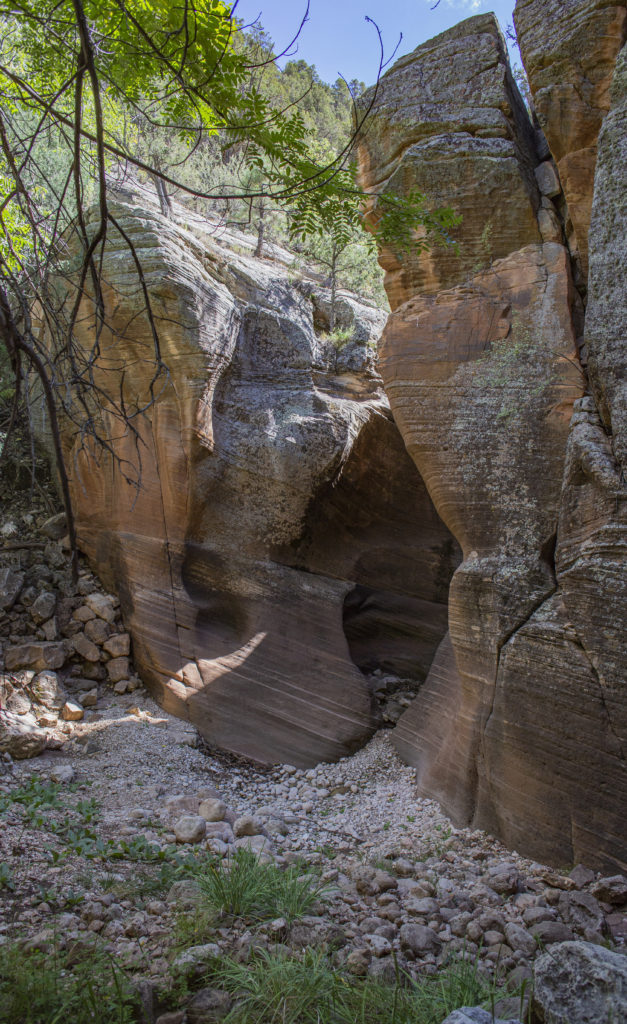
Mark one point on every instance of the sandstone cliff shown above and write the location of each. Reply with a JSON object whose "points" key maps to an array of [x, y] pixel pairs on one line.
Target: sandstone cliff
{"points": [[294, 532], [520, 719], [276, 505]]}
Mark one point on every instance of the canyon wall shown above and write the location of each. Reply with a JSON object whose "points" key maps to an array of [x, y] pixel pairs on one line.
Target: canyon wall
{"points": [[280, 528], [520, 725], [264, 485]]}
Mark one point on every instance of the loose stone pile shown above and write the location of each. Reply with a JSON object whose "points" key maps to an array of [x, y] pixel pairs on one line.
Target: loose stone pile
{"points": [[63, 640]]}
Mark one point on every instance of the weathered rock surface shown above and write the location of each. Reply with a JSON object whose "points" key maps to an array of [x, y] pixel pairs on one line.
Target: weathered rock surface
{"points": [[606, 317], [276, 502], [19, 735], [569, 51], [579, 983], [519, 720]]}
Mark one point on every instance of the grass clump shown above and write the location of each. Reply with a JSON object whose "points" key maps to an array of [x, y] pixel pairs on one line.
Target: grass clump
{"points": [[340, 336], [282, 989], [279, 989], [243, 885], [51, 988]]}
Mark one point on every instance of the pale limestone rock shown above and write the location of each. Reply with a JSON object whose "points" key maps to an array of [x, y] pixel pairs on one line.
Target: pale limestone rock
{"points": [[212, 810], [72, 711], [580, 983], [191, 828], [20, 736]]}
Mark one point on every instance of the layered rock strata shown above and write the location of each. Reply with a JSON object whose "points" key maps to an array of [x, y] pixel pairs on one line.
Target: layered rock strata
{"points": [[569, 51], [260, 450], [518, 722]]}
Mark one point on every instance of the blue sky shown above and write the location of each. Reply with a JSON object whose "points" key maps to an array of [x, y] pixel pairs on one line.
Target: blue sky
{"points": [[337, 38]]}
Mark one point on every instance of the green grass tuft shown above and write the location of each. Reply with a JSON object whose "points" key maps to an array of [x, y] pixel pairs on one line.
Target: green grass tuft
{"points": [[244, 885], [46, 988]]}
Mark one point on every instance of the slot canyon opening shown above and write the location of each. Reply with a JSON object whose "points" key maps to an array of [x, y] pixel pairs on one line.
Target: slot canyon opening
{"points": [[376, 528]]}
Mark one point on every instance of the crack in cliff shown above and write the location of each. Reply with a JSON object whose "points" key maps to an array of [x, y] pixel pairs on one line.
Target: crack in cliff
{"points": [[619, 743], [505, 640]]}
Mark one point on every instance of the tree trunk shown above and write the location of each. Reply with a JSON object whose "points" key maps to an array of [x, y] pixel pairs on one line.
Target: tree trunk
{"points": [[260, 231], [333, 290]]}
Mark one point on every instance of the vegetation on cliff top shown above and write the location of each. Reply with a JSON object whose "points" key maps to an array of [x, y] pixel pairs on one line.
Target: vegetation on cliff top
{"points": [[94, 90]]}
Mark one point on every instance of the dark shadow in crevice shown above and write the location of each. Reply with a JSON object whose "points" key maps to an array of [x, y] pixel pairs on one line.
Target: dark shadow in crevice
{"points": [[376, 528]]}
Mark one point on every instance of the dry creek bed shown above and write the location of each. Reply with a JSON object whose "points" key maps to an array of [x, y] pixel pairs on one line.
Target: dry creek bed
{"points": [[403, 880]]}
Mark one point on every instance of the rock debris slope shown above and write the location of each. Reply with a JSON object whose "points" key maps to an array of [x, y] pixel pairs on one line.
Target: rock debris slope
{"points": [[276, 498], [519, 727]]}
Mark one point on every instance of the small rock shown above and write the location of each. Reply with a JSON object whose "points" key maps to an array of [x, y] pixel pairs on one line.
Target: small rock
{"points": [[246, 825], [118, 646], [72, 711], [11, 583], [547, 179], [611, 890], [97, 630], [379, 945], [47, 690], [475, 1015], [83, 614], [118, 669], [422, 907], [504, 878], [547, 932], [581, 911], [178, 803], [103, 605], [56, 527], [582, 876], [207, 1006], [37, 656], [44, 607], [191, 828], [258, 844], [184, 894], [419, 939], [212, 809], [193, 961], [519, 938], [357, 963], [85, 647], [62, 773]]}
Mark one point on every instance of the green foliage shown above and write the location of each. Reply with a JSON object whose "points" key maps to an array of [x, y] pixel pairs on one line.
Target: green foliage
{"points": [[245, 886], [340, 337], [272, 988], [6, 876], [180, 91], [275, 989], [34, 795], [53, 988], [43, 806]]}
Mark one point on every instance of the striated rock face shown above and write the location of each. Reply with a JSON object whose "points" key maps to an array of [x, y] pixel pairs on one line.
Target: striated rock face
{"points": [[274, 487], [569, 50], [519, 720]]}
